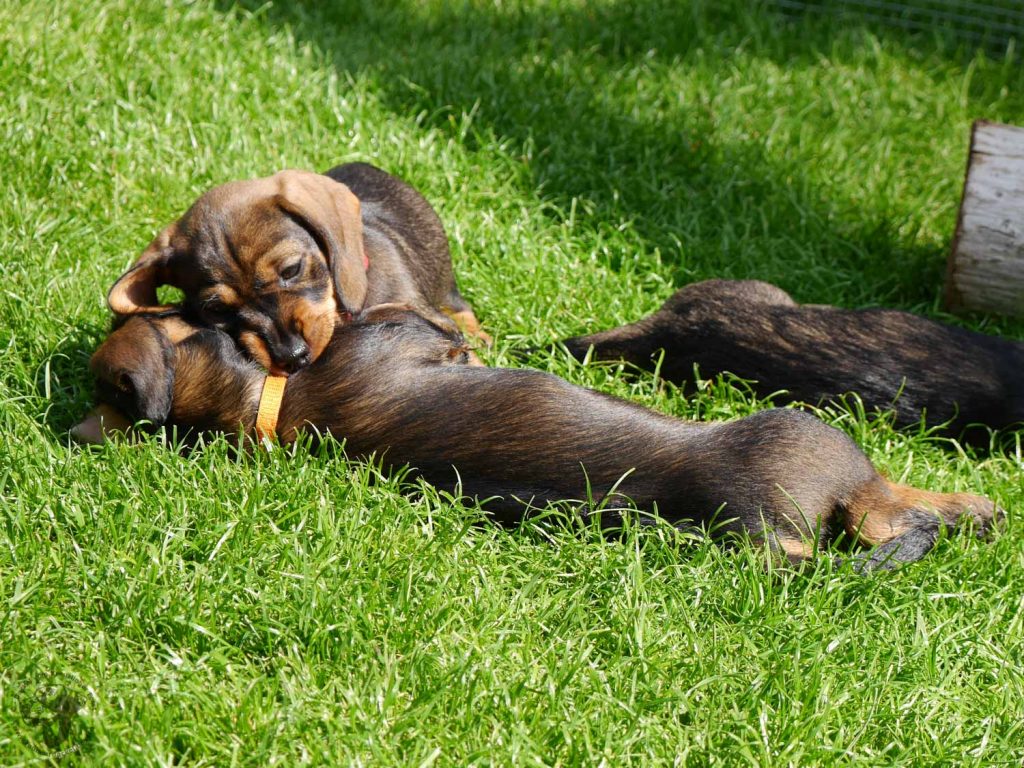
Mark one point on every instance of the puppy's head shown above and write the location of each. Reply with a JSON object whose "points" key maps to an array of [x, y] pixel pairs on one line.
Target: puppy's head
{"points": [[271, 261], [170, 369], [167, 370], [134, 370]]}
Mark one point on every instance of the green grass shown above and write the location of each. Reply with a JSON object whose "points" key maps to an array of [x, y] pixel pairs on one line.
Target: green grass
{"points": [[587, 158]]}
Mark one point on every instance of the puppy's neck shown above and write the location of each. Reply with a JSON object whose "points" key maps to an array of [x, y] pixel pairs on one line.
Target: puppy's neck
{"points": [[384, 351], [215, 388]]}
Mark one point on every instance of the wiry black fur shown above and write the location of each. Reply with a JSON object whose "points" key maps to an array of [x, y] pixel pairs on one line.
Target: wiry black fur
{"points": [[391, 384], [893, 360], [399, 222]]}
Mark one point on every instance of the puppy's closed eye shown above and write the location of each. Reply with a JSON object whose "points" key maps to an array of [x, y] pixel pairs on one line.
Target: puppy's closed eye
{"points": [[291, 270], [216, 311]]}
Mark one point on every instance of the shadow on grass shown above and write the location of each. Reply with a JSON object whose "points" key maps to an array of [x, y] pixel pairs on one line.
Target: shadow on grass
{"points": [[561, 89], [64, 380]]}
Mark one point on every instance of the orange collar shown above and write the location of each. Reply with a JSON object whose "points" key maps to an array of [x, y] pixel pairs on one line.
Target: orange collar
{"points": [[270, 407]]}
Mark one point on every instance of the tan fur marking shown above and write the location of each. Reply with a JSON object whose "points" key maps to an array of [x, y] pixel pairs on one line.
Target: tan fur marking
{"points": [[257, 350], [796, 549], [314, 320], [223, 293], [873, 514], [176, 329], [882, 511], [468, 324], [874, 530]]}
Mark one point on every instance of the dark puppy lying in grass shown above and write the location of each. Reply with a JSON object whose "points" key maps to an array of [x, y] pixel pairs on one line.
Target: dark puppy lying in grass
{"points": [[893, 360], [395, 385]]}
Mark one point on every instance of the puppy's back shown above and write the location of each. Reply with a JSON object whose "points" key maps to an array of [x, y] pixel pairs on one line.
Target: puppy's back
{"points": [[395, 214]]}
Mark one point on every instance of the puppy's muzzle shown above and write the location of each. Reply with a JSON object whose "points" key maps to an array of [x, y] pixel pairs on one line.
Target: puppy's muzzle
{"points": [[292, 353]]}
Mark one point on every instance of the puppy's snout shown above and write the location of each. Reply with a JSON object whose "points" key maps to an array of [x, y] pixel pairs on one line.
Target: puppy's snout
{"points": [[295, 356]]}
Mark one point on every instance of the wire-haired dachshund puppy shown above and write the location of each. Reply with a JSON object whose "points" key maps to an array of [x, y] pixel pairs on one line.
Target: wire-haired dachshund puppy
{"points": [[274, 261], [394, 384], [812, 353]]}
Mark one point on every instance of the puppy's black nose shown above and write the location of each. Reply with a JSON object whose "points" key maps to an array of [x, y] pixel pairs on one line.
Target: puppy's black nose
{"points": [[296, 357]]}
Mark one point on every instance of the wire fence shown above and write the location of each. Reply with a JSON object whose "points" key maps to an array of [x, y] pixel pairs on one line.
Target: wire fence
{"points": [[989, 24]]}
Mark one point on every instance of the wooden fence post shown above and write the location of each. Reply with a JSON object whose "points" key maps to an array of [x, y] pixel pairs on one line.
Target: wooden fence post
{"points": [[985, 271]]}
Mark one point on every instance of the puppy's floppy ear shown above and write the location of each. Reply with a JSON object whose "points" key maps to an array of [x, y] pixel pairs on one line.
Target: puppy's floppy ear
{"points": [[135, 371], [330, 210], [135, 290]]}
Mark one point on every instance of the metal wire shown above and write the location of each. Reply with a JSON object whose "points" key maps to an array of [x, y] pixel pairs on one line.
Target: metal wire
{"points": [[992, 24]]}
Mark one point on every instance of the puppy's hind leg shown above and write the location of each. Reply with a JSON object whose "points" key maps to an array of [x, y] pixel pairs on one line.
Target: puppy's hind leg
{"points": [[903, 522], [910, 546]]}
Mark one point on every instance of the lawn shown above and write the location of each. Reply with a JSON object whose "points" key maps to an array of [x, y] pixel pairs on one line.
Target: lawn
{"points": [[587, 158]]}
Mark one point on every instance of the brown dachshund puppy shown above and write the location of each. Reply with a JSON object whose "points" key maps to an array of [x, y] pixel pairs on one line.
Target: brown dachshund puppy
{"points": [[273, 261], [393, 384], [893, 360]]}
